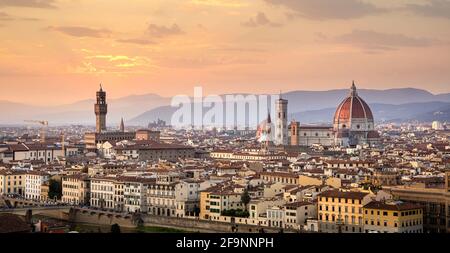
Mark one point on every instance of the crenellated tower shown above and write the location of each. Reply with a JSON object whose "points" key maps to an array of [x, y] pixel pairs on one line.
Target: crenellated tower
{"points": [[101, 109]]}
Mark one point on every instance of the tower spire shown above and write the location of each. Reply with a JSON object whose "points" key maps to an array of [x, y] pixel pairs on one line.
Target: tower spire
{"points": [[101, 88], [122, 125], [353, 89]]}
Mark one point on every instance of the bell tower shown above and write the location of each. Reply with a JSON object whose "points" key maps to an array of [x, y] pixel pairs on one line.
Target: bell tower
{"points": [[281, 125], [101, 109]]}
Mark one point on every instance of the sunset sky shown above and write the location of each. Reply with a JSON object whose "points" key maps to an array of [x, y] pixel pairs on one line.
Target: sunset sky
{"points": [[58, 51]]}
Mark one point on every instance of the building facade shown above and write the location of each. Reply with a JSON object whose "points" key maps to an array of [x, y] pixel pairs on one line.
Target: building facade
{"points": [[12, 182], [341, 211], [393, 217], [76, 189], [353, 124], [33, 184]]}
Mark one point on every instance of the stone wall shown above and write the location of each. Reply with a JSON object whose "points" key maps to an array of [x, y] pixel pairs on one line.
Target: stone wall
{"points": [[189, 224], [100, 218], [203, 225]]}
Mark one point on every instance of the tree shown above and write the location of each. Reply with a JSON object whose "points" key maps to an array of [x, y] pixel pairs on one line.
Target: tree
{"points": [[115, 229], [55, 189], [245, 198]]}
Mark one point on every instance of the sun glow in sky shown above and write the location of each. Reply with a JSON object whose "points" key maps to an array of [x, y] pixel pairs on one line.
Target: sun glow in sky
{"points": [[58, 51]]}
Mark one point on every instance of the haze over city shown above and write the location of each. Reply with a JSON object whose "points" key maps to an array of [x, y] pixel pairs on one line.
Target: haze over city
{"points": [[58, 51]]}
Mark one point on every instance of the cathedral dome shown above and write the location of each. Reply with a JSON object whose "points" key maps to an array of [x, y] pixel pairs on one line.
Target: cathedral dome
{"points": [[353, 113]]}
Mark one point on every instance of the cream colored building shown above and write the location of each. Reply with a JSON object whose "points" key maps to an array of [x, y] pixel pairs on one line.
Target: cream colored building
{"points": [[12, 182], [161, 199], [76, 189], [103, 192], [246, 156], [296, 214], [187, 197], [258, 207], [135, 194], [216, 199]]}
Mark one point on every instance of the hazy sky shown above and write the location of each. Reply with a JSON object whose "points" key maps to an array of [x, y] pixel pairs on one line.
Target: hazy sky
{"points": [[58, 51]]}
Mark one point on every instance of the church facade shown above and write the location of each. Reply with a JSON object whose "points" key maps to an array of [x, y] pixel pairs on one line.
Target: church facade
{"points": [[353, 124]]}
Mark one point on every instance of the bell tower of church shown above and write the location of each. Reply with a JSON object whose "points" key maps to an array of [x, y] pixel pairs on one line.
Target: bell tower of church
{"points": [[281, 125]]}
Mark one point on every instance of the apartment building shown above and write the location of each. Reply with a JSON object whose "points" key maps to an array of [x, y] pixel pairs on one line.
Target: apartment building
{"points": [[103, 192], [76, 189], [342, 211], [134, 193], [258, 207], [33, 184], [280, 177], [217, 199], [12, 182], [187, 197], [393, 217], [297, 213]]}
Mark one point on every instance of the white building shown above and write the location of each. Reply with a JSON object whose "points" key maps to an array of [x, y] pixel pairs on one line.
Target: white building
{"points": [[103, 192], [281, 125], [187, 197], [135, 193], [275, 217], [298, 213], [33, 183], [36, 151], [437, 125]]}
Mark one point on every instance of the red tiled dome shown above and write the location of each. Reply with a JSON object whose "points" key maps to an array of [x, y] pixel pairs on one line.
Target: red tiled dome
{"points": [[353, 107]]}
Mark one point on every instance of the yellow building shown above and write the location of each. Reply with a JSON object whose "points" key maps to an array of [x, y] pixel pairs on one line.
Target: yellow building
{"points": [[45, 189], [393, 217], [75, 189], [216, 199], [280, 177], [12, 182], [341, 211]]}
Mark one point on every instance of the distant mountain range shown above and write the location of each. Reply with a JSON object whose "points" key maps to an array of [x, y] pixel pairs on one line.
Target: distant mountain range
{"points": [[81, 112], [423, 112], [306, 106]]}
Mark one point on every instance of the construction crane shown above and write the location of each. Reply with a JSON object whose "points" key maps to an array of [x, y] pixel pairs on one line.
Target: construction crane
{"points": [[44, 125]]}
